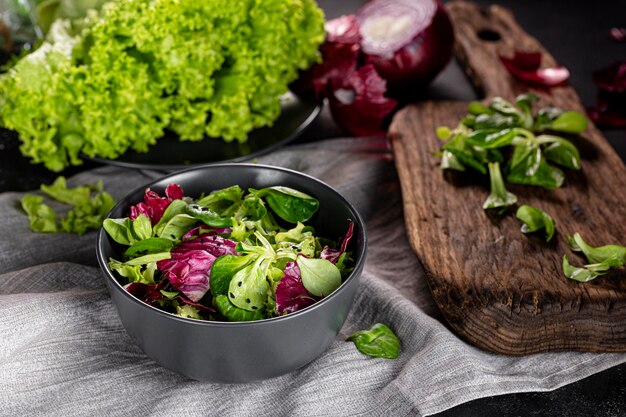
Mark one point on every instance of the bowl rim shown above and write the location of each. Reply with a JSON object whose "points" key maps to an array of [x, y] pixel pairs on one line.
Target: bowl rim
{"points": [[358, 266]]}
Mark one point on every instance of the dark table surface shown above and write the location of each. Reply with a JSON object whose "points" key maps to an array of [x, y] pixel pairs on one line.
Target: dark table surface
{"points": [[576, 33]]}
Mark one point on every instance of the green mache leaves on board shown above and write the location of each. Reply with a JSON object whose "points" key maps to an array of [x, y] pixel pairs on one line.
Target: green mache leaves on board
{"points": [[501, 125], [601, 259]]}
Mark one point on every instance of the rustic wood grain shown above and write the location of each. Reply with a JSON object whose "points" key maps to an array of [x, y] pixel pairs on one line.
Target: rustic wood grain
{"points": [[499, 289]]}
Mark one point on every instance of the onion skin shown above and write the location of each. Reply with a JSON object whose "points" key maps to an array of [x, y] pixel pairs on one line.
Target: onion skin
{"points": [[412, 67]]}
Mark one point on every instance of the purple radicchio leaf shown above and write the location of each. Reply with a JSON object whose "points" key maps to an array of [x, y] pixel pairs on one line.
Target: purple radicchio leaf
{"points": [[151, 294], [153, 205], [190, 266], [206, 230], [189, 272], [211, 243], [333, 255], [291, 295]]}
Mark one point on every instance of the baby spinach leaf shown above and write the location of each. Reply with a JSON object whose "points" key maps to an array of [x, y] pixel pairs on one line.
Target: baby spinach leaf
{"points": [[378, 341], [502, 106], [525, 102], [545, 117], [476, 108], [142, 227], [493, 138], [319, 276], [208, 216], [146, 259], [175, 208], [528, 166], [135, 273], [601, 259], [176, 226], [443, 132], [570, 122], [463, 152], [588, 272], [495, 121], [578, 274], [224, 198], [148, 246], [248, 287], [600, 254], [499, 196], [120, 230], [449, 161], [289, 204], [233, 313], [224, 269], [535, 219], [41, 216], [169, 294], [563, 153], [252, 208]]}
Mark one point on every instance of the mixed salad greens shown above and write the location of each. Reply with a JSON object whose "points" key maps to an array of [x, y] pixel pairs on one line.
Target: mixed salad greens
{"points": [[226, 255], [116, 79]]}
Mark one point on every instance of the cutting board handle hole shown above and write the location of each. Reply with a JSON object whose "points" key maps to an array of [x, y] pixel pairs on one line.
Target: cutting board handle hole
{"points": [[488, 35]]}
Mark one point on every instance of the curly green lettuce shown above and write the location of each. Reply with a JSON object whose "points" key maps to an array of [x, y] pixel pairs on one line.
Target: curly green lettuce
{"points": [[199, 68]]}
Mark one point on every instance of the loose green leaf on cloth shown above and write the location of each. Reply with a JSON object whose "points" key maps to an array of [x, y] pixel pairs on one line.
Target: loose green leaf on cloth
{"points": [[89, 207], [378, 341]]}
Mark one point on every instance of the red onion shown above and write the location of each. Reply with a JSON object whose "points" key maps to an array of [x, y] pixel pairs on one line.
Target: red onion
{"points": [[408, 41], [525, 67], [357, 103], [610, 108], [340, 52], [618, 34]]}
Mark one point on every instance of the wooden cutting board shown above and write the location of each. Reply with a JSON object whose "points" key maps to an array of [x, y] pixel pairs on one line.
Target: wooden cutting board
{"points": [[499, 289]]}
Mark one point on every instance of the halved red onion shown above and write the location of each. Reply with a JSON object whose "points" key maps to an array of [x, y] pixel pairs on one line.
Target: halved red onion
{"points": [[344, 29], [408, 41], [358, 104], [340, 53], [525, 67]]}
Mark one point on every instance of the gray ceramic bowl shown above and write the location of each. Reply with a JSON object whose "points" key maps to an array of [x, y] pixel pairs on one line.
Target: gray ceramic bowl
{"points": [[244, 351]]}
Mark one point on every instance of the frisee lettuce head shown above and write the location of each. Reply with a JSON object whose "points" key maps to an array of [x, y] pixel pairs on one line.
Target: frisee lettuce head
{"points": [[199, 68]]}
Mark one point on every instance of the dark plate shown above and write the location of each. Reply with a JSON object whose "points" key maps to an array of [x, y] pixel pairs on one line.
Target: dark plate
{"points": [[171, 154]]}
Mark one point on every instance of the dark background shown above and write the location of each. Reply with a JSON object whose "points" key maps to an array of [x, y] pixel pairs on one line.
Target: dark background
{"points": [[576, 34]]}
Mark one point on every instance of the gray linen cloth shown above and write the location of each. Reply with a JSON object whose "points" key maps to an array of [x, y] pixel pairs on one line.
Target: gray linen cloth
{"points": [[63, 350]]}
